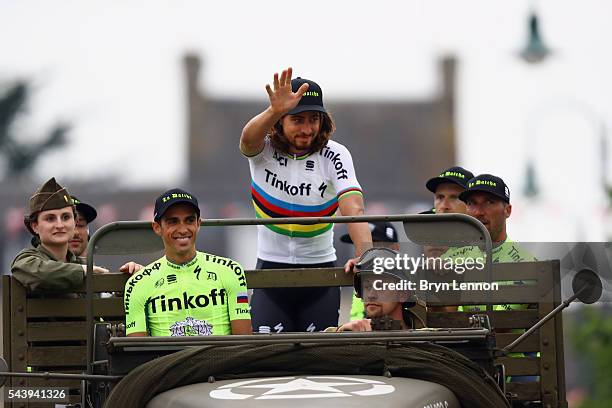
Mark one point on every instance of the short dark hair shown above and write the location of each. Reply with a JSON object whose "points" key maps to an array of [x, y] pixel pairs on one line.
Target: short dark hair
{"points": [[328, 127]]}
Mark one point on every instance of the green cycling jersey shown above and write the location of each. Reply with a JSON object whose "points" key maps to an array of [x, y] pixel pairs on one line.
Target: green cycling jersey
{"points": [[507, 251], [198, 298]]}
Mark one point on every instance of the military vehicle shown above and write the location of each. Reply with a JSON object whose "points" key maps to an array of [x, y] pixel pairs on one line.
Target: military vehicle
{"points": [[458, 359]]}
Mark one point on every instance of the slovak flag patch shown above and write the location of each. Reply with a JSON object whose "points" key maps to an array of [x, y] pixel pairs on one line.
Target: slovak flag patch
{"points": [[242, 297]]}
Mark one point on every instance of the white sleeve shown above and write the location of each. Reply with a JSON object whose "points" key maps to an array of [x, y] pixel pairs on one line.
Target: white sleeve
{"points": [[341, 170]]}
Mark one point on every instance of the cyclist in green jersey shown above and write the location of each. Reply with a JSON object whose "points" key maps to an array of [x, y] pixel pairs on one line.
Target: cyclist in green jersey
{"points": [[488, 200], [186, 292]]}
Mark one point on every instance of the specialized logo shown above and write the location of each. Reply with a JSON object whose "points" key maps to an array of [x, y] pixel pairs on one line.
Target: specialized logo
{"points": [[341, 172], [301, 388], [311, 328], [197, 271], [191, 327], [279, 327], [163, 304], [274, 181]]}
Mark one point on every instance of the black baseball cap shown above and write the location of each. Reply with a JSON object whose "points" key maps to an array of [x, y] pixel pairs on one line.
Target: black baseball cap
{"points": [[487, 183], [86, 210], [381, 232], [456, 175], [171, 197], [312, 99]]}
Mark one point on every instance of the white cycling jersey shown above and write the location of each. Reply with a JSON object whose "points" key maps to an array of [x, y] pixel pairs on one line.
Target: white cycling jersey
{"points": [[285, 185]]}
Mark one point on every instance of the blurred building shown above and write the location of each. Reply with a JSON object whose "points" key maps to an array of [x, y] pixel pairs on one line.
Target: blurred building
{"points": [[374, 131]]}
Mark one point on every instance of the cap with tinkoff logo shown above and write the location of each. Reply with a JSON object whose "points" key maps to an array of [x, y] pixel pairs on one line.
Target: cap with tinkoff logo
{"points": [[487, 183], [456, 175], [312, 99], [50, 196], [172, 197]]}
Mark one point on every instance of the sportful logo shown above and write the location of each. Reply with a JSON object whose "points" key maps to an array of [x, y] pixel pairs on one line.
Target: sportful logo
{"points": [[301, 388], [310, 164]]}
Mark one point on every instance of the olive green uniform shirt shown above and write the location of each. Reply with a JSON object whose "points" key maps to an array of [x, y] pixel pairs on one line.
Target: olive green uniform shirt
{"points": [[38, 270]]}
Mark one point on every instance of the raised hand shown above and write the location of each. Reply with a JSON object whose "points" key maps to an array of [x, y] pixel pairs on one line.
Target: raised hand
{"points": [[282, 98]]}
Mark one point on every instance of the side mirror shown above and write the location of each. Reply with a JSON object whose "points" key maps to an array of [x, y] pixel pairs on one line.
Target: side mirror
{"points": [[587, 286]]}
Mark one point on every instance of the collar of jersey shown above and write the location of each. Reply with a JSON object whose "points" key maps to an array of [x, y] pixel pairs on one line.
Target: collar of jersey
{"points": [[185, 265], [500, 246], [294, 157]]}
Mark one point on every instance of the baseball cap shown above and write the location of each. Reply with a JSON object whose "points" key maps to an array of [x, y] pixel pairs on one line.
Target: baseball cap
{"points": [[172, 197], [381, 232], [487, 183], [456, 175], [87, 210], [430, 211], [312, 99]]}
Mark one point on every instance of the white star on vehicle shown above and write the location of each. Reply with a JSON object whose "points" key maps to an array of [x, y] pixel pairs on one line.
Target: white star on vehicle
{"points": [[302, 384]]}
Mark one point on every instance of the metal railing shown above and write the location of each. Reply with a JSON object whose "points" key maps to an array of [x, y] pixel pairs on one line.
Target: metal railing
{"points": [[415, 226]]}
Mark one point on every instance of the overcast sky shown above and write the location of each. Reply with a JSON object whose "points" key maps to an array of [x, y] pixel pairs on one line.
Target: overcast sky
{"points": [[114, 70]]}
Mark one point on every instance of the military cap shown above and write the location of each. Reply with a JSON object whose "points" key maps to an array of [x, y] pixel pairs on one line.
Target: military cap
{"points": [[50, 196]]}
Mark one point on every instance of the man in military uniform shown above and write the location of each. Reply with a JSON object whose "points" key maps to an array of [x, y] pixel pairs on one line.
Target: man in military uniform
{"points": [[383, 235], [85, 214], [385, 309], [49, 265]]}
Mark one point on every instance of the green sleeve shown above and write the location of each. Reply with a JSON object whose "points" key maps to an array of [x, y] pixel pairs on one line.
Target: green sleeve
{"points": [[38, 273], [237, 295], [134, 303], [357, 308]]}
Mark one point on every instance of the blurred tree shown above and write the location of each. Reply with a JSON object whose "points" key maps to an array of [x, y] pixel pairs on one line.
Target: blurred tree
{"points": [[21, 157], [592, 338]]}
